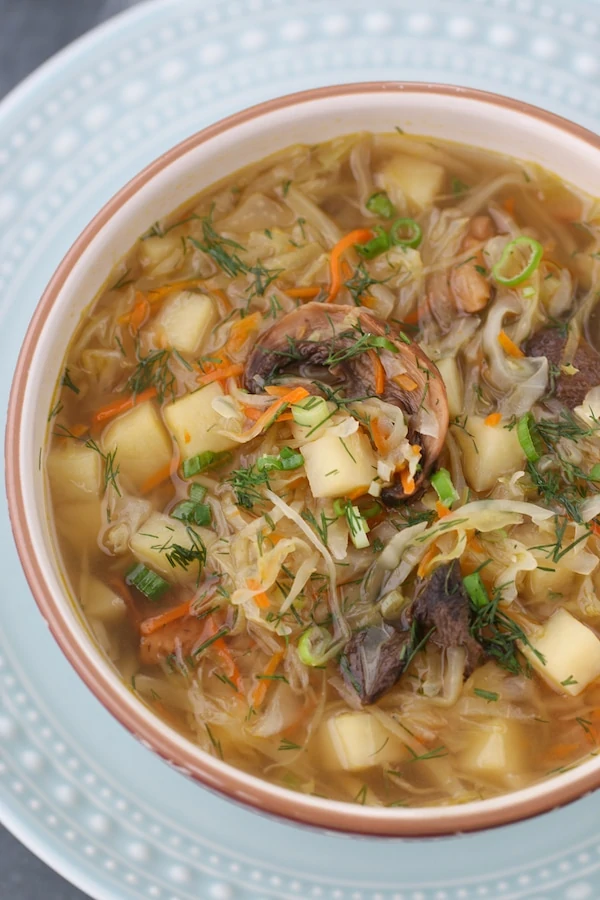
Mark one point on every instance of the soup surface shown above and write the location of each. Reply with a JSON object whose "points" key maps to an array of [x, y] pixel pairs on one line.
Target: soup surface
{"points": [[324, 471]]}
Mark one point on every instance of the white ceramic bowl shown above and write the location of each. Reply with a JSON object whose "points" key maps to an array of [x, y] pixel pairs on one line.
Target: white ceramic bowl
{"points": [[468, 116]]}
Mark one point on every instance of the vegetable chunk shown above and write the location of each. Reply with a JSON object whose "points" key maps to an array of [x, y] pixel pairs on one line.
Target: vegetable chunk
{"points": [[571, 653], [488, 452], [156, 539], [185, 320], [141, 444], [356, 741], [416, 179], [497, 751], [194, 423], [75, 472], [337, 466]]}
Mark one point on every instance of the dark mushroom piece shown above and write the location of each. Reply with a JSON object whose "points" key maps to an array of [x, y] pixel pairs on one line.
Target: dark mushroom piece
{"points": [[441, 603], [337, 337], [569, 389], [375, 657], [373, 661]]}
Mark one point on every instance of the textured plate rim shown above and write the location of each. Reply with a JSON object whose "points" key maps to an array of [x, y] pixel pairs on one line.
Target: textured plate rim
{"points": [[250, 790]]}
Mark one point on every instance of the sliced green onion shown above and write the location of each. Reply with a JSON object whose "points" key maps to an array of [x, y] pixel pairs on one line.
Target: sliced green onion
{"points": [[406, 233], [198, 492], [376, 340], [313, 645], [287, 461], [458, 186], [203, 461], [311, 412], [357, 526], [147, 582], [529, 438], [376, 246], [381, 205], [524, 252], [442, 484], [595, 473], [476, 590], [371, 511], [190, 511]]}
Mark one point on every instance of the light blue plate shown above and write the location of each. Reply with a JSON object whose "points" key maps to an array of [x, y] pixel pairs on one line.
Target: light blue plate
{"points": [[74, 785]]}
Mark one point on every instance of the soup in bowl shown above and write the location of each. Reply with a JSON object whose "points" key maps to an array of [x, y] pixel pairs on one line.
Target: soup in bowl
{"points": [[322, 467]]}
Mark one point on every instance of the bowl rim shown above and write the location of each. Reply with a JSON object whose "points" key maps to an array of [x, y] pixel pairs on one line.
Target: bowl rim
{"points": [[234, 783]]}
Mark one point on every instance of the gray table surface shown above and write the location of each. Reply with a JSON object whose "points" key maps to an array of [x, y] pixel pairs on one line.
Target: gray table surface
{"points": [[30, 32]]}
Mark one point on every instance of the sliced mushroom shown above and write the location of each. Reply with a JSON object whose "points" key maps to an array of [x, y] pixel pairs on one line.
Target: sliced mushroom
{"points": [[469, 286], [441, 603], [569, 389], [318, 334]]}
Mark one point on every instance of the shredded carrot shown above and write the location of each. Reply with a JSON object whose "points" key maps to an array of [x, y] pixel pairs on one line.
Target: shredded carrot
{"points": [[260, 691], [509, 205], [378, 436], [416, 449], [379, 372], [276, 390], [187, 436], [412, 318], [241, 331], [424, 564], [261, 599], [407, 481], [120, 406], [269, 416], [405, 382], [493, 419], [232, 670], [509, 346], [161, 475], [166, 289], [285, 417], [222, 374], [358, 492], [139, 314], [220, 294], [149, 626], [251, 412], [359, 236], [562, 751], [79, 430], [595, 528], [303, 293], [441, 509]]}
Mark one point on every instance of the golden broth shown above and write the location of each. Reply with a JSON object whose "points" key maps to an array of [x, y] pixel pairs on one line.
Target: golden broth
{"points": [[253, 480]]}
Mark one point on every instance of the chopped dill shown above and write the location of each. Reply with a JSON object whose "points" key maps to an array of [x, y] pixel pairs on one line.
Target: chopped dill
{"points": [[67, 382], [178, 555], [490, 696], [111, 470], [361, 797], [153, 370], [122, 282], [216, 743], [288, 745], [56, 409], [219, 249], [360, 283], [245, 483]]}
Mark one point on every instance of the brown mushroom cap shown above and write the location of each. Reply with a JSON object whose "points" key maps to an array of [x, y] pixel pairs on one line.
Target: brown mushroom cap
{"points": [[313, 333]]}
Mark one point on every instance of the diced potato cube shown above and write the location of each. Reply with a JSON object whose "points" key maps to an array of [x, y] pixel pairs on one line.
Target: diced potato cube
{"points": [[571, 652], [141, 443], [194, 423], [184, 320], [454, 385], [102, 603], [74, 471], [418, 180], [488, 452], [337, 466], [355, 741], [80, 523], [496, 751], [156, 538], [160, 255]]}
